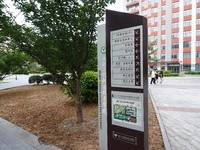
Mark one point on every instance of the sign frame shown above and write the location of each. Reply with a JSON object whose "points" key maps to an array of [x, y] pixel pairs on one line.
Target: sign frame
{"points": [[120, 137]]}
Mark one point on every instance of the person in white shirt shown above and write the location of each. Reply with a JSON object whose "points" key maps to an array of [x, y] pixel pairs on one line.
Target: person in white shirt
{"points": [[153, 77]]}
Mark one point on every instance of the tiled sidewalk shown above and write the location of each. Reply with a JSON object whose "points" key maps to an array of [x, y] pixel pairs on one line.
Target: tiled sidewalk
{"points": [[178, 104], [13, 137]]}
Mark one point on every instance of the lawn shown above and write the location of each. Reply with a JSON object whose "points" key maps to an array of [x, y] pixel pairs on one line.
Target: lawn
{"points": [[1, 82], [46, 112]]}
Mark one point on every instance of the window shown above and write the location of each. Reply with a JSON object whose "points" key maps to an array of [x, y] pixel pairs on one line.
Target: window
{"points": [[197, 67], [163, 27], [198, 54], [175, 45], [154, 47], [149, 38], [156, 19], [186, 55], [186, 44], [143, 3], [186, 67], [163, 8], [149, 20], [198, 10], [187, 34], [149, 2], [155, 38], [175, 5], [198, 32], [197, 43], [174, 55], [144, 12], [154, 10], [187, 12], [162, 56], [163, 17], [149, 30], [187, 2], [153, 29], [175, 25], [198, 21], [162, 37], [162, 46], [175, 35], [187, 23], [175, 15]]}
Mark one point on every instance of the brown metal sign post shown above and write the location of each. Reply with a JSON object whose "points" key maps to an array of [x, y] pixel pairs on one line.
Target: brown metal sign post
{"points": [[127, 81]]}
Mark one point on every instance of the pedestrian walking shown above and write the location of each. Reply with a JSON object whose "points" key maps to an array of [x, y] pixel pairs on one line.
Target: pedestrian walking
{"points": [[153, 76], [156, 74], [161, 75]]}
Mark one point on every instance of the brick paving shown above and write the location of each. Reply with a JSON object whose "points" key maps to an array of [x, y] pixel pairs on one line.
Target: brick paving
{"points": [[178, 104]]}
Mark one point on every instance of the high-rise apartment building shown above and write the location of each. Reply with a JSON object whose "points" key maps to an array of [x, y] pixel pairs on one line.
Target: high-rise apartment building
{"points": [[175, 24]]}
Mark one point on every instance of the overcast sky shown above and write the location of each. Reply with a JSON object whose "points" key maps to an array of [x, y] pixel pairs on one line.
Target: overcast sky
{"points": [[118, 6]]}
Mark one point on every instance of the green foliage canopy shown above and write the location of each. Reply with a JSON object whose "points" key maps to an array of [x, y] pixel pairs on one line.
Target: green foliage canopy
{"points": [[62, 37]]}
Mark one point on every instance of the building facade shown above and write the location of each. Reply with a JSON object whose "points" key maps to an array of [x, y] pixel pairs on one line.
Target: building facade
{"points": [[175, 24]]}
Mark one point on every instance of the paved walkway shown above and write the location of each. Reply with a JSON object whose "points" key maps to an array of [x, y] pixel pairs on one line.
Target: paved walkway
{"points": [[13, 137], [178, 103], [14, 81]]}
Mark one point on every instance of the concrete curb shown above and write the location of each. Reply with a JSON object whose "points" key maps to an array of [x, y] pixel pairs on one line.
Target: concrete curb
{"points": [[162, 127]]}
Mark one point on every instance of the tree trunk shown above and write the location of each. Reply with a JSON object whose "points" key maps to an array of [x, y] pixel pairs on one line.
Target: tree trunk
{"points": [[78, 102]]}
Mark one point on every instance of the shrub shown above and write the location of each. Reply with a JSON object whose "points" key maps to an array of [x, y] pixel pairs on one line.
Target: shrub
{"points": [[171, 74], [167, 72], [47, 77], [192, 72], [36, 78], [89, 87]]}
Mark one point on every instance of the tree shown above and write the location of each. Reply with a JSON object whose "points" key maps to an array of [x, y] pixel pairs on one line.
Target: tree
{"points": [[12, 62], [152, 51], [62, 37]]}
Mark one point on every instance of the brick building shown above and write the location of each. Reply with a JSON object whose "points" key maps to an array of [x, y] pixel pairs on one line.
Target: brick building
{"points": [[175, 24]]}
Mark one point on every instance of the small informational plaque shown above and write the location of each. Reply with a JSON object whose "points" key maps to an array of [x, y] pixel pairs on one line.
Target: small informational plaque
{"points": [[127, 110], [126, 60]]}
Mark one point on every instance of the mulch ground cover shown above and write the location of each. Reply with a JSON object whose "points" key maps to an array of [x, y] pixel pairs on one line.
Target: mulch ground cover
{"points": [[48, 113]]}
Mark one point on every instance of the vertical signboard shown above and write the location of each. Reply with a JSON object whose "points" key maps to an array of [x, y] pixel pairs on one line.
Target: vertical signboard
{"points": [[127, 81], [102, 92]]}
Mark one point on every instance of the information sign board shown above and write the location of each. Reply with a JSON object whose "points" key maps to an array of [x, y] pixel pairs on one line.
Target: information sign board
{"points": [[126, 81], [126, 60]]}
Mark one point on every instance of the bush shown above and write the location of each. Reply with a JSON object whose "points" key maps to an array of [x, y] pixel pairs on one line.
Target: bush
{"points": [[171, 74], [167, 72], [89, 87], [47, 77], [192, 72], [36, 78]]}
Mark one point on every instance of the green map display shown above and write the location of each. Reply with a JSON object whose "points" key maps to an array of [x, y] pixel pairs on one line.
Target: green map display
{"points": [[125, 113]]}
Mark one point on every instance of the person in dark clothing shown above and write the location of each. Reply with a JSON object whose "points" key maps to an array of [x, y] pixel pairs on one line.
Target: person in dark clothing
{"points": [[156, 73], [161, 75]]}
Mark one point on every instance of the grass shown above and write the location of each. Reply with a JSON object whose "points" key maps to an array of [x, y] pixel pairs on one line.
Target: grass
{"points": [[46, 112], [3, 82]]}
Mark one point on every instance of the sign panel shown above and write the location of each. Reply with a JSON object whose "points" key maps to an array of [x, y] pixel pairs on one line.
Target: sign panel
{"points": [[127, 81], [127, 110], [102, 91], [126, 60]]}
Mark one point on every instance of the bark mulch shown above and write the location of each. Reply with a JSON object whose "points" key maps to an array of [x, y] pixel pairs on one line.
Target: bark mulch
{"points": [[48, 113]]}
